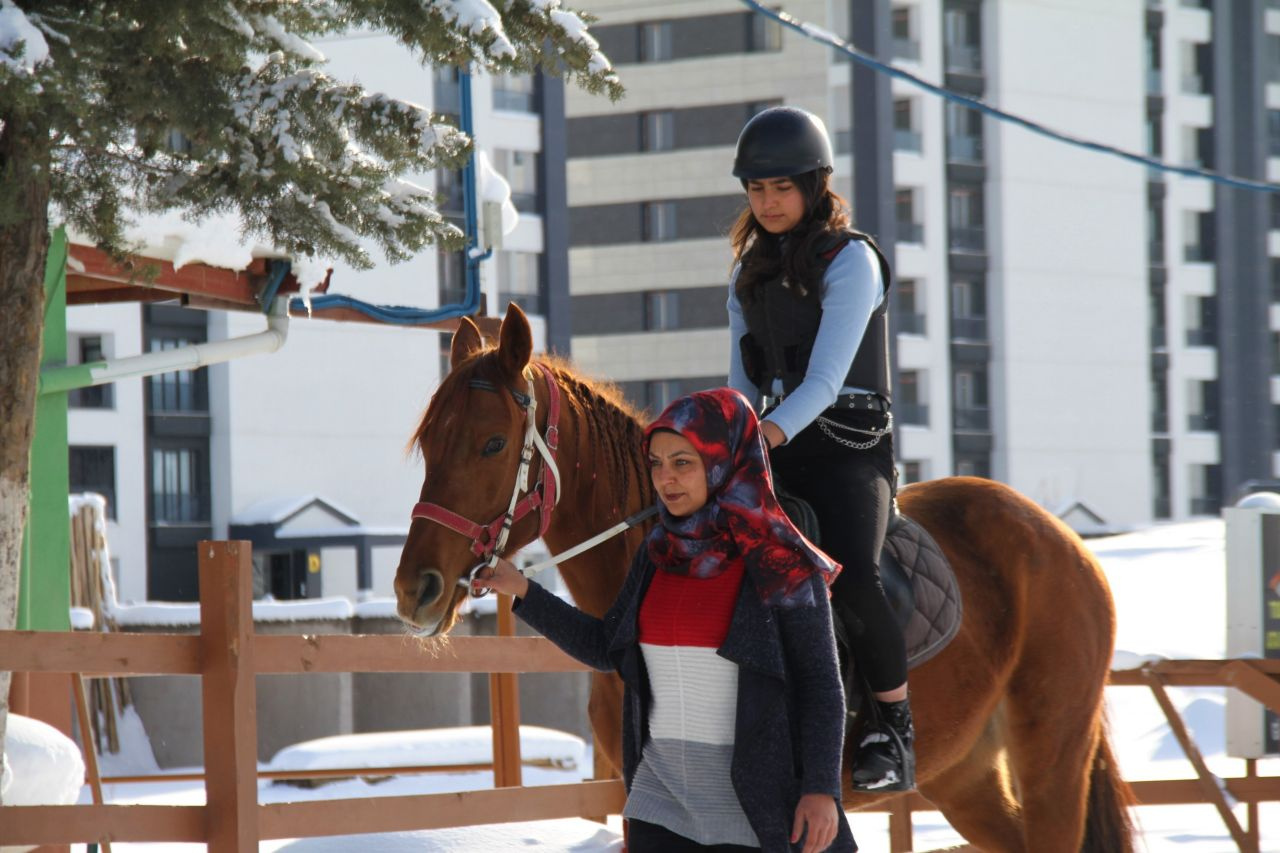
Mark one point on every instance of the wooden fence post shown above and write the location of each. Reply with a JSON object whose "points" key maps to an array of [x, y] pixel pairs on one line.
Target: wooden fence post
{"points": [[504, 710], [229, 702]]}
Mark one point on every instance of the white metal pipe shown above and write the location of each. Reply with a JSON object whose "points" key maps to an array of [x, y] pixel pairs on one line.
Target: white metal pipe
{"points": [[61, 379]]}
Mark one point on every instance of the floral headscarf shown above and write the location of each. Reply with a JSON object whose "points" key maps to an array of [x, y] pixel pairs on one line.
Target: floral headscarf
{"points": [[741, 519]]}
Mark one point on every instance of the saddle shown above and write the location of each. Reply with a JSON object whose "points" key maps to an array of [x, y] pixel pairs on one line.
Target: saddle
{"points": [[921, 588]]}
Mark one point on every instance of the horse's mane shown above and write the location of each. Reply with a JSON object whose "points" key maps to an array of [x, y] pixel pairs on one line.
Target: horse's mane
{"points": [[611, 429]]}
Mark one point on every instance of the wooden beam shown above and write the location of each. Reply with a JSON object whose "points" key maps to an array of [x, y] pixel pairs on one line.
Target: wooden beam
{"points": [[99, 654], [901, 835], [1208, 782], [96, 265], [504, 710], [1250, 679], [22, 825], [228, 696], [391, 653], [439, 811]]}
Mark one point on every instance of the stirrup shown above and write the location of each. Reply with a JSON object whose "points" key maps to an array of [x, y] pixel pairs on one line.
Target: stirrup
{"points": [[891, 780]]}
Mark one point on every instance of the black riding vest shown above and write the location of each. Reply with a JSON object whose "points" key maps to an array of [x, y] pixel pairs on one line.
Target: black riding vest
{"points": [[782, 326]]}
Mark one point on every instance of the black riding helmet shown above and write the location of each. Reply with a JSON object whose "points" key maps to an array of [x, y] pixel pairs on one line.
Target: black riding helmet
{"points": [[780, 142]]}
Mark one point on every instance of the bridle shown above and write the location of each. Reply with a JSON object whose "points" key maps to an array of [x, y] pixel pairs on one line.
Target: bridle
{"points": [[489, 540]]}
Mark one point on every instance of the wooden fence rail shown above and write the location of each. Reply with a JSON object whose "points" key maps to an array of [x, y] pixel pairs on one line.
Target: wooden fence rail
{"points": [[228, 654]]}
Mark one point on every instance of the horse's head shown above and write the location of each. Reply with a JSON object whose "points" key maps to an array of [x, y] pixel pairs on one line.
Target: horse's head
{"points": [[471, 439]]}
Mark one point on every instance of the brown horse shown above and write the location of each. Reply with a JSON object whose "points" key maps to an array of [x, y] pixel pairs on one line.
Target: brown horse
{"points": [[1012, 744]]}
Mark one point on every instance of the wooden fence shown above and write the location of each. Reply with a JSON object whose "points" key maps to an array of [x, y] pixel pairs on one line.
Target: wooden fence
{"points": [[228, 655]]}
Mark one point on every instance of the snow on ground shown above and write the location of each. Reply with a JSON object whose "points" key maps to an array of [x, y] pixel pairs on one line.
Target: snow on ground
{"points": [[1169, 585]]}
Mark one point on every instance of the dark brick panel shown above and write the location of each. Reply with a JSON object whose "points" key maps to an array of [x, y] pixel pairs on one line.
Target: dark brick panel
{"points": [[611, 224]]}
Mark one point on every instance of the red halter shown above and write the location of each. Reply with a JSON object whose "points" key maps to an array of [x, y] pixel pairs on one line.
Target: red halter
{"points": [[488, 540]]}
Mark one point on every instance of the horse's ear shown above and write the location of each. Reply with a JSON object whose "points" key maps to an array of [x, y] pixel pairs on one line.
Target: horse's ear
{"points": [[515, 342], [466, 340]]}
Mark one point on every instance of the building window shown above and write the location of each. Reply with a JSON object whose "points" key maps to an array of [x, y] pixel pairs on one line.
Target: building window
{"points": [[1202, 403], [969, 309], [661, 392], [970, 406], [515, 93], [451, 269], [447, 90], [965, 217], [659, 221], [662, 310], [963, 32], [1203, 332], [1163, 505], [1155, 232], [178, 390], [1273, 135], [909, 230], [973, 465], [905, 45], [520, 280], [658, 131], [909, 397], [1159, 398], [655, 41], [766, 34], [1275, 279], [520, 168], [1154, 62], [905, 135], [93, 469], [842, 118], [1198, 236], [913, 471], [964, 134], [449, 188], [177, 486], [1206, 489], [1273, 58], [94, 396], [909, 307]]}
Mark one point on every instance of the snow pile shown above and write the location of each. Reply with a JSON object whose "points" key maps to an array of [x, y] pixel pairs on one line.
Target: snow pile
{"points": [[495, 189], [44, 766], [545, 835], [15, 30], [476, 17], [427, 747]]}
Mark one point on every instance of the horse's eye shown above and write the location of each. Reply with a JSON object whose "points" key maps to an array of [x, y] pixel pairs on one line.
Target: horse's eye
{"points": [[494, 445]]}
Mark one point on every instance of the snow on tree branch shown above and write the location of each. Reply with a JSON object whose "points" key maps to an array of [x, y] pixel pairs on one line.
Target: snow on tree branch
{"points": [[22, 45]]}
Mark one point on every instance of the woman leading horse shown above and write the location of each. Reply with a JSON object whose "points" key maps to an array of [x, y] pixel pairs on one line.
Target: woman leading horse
{"points": [[1011, 742]]}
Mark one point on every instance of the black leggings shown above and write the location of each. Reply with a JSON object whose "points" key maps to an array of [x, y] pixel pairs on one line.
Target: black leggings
{"points": [[651, 838], [851, 491]]}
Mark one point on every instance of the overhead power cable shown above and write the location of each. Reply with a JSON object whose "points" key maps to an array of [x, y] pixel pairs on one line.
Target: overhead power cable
{"points": [[818, 34]]}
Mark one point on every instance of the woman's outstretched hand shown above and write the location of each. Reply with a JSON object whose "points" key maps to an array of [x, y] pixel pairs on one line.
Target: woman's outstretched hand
{"points": [[818, 811], [503, 577]]}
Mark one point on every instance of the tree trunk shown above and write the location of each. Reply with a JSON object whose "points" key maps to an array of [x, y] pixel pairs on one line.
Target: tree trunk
{"points": [[24, 245]]}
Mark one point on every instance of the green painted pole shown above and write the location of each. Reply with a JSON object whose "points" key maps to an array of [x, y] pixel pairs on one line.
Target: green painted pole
{"points": [[44, 591]]}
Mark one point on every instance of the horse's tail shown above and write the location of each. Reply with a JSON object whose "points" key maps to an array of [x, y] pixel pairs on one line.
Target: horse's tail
{"points": [[1108, 824]]}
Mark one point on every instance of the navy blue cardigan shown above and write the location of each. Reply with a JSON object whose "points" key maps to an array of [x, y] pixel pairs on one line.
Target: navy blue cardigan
{"points": [[790, 714]]}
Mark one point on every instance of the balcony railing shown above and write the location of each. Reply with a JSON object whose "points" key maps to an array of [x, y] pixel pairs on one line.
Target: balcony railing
{"points": [[915, 414], [1197, 252], [1160, 421], [965, 58], [910, 232], [972, 418], [1155, 81], [1159, 337], [1155, 251], [964, 148], [844, 141], [910, 323], [968, 238], [1162, 508], [1193, 84], [1203, 422], [1202, 337], [906, 140], [969, 328], [906, 49]]}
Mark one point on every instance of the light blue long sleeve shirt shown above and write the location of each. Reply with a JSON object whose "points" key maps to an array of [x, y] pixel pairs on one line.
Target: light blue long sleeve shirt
{"points": [[852, 289]]}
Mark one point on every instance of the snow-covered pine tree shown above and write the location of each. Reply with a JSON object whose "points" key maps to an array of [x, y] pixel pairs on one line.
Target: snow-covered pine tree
{"points": [[93, 91]]}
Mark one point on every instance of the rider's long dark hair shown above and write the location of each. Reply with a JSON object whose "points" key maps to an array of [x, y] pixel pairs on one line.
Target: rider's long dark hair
{"points": [[765, 257]]}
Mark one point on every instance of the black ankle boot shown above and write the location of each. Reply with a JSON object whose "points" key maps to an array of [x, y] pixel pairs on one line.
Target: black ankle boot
{"points": [[886, 759]]}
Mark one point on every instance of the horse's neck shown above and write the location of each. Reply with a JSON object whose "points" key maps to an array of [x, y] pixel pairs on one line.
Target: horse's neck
{"points": [[591, 503]]}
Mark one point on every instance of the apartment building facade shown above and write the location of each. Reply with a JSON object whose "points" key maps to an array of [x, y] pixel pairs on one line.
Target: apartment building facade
{"points": [[1029, 302]]}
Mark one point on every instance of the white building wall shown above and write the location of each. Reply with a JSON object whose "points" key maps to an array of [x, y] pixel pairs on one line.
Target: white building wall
{"points": [[120, 426], [1068, 281]]}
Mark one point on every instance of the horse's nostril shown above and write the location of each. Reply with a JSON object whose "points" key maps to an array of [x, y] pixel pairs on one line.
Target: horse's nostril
{"points": [[432, 584]]}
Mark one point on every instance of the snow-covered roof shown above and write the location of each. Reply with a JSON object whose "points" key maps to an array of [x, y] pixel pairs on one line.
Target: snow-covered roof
{"points": [[280, 509]]}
